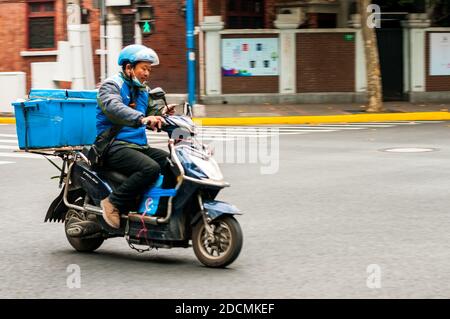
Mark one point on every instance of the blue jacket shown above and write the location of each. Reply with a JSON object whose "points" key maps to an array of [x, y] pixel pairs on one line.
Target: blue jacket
{"points": [[114, 97]]}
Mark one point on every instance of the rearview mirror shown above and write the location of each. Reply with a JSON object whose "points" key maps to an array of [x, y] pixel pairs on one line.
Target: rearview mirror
{"points": [[157, 94], [187, 109]]}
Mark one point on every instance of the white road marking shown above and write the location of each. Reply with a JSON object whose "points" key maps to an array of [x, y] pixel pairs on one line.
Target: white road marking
{"points": [[9, 141], [237, 132], [282, 129], [21, 155], [9, 147], [366, 125], [210, 134], [424, 122], [205, 139], [259, 130], [396, 122]]}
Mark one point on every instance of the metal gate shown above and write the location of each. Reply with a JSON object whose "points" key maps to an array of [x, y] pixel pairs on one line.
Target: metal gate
{"points": [[390, 48]]}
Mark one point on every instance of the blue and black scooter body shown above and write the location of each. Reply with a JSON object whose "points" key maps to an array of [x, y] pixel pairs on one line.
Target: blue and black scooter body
{"points": [[185, 210]]}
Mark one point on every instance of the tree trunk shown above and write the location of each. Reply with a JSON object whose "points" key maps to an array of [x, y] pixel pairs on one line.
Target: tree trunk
{"points": [[374, 88]]}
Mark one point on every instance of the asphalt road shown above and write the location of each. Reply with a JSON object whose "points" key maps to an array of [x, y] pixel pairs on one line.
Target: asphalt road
{"points": [[337, 218]]}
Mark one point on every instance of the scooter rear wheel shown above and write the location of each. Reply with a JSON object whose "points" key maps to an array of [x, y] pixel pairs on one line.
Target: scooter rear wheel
{"points": [[79, 243], [225, 245]]}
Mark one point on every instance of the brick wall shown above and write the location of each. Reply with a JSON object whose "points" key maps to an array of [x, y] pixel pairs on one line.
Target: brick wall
{"points": [[168, 41], [433, 83], [325, 63], [269, 13], [252, 84], [11, 35], [212, 7], [14, 37], [61, 18], [317, 71]]}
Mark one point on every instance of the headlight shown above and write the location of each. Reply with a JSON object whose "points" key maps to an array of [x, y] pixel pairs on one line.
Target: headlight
{"points": [[209, 167]]}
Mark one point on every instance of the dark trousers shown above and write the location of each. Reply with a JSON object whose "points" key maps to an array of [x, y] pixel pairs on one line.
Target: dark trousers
{"points": [[142, 168]]}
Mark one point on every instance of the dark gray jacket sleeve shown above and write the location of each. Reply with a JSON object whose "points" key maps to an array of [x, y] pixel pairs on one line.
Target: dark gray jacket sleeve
{"points": [[110, 102]]}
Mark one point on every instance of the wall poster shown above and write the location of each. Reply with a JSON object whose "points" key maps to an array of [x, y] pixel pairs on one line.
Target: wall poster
{"points": [[440, 53], [250, 57]]}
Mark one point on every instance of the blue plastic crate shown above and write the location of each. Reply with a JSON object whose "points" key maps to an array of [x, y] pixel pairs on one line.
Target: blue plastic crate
{"points": [[85, 94], [62, 94], [51, 123], [47, 94]]}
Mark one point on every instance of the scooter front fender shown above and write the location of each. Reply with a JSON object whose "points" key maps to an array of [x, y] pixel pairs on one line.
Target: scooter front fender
{"points": [[216, 208]]}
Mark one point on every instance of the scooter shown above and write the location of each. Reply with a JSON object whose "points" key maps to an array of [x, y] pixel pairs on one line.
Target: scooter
{"points": [[180, 210]]}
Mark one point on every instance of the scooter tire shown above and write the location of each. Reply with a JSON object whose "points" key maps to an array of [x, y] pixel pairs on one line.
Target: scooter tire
{"points": [[83, 244], [234, 232]]}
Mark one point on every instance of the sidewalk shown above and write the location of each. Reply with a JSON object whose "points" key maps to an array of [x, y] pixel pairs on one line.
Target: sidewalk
{"points": [[226, 114]]}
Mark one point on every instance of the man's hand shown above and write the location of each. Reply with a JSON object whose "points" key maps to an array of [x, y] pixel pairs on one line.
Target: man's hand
{"points": [[153, 122], [170, 109]]}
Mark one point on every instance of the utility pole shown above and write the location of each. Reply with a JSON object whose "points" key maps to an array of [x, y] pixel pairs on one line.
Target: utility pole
{"points": [[190, 45]]}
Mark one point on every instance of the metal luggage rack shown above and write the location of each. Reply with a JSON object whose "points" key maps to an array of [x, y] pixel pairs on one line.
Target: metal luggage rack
{"points": [[53, 151], [68, 154]]}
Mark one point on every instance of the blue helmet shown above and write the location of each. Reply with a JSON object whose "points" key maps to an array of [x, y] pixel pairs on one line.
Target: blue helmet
{"points": [[135, 53]]}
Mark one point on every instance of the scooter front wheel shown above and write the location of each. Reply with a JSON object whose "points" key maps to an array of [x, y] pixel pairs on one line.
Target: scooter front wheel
{"points": [[222, 247]]}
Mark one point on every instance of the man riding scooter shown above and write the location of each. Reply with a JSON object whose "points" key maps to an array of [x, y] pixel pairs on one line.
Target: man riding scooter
{"points": [[116, 175], [125, 107]]}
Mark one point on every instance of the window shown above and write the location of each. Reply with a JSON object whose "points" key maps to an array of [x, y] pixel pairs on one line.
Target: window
{"points": [[41, 24], [245, 14], [327, 20], [411, 6], [321, 20]]}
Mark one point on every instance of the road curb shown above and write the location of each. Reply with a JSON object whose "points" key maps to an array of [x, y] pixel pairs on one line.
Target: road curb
{"points": [[360, 118], [308, 119], [7, 120]]}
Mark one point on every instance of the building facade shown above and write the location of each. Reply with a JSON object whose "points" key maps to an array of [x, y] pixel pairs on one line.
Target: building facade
{"points": [[248, 51], [321, 55]]}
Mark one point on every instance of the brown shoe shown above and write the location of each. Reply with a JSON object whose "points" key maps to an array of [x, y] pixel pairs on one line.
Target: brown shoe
{"points": [[110, 213]]}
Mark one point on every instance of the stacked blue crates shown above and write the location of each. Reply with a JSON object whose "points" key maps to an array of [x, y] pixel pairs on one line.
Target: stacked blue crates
{"points": [[56, 118]]}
